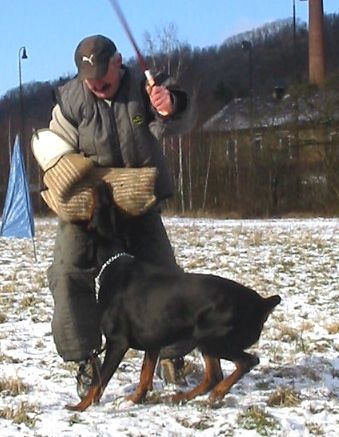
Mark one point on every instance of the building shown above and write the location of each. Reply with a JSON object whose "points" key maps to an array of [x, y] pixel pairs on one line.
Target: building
{"points": [[280, 153]]}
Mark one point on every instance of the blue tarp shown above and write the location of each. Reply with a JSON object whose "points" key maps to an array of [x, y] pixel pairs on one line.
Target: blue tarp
{"points": [[17, 217]]}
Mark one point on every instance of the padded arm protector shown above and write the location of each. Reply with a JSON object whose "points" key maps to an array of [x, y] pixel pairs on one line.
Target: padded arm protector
{"points": [[132, 190], [71, 178], [69, 170]]}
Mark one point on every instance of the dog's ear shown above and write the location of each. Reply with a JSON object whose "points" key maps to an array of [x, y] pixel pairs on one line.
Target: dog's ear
{"points": [[103, 220]]}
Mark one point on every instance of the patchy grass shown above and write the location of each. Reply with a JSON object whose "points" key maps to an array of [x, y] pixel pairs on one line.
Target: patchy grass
{"points": [[40, 344], [9, 287], [3, 317], [288, 334], [200, 424], [257, 238], [284, 397], [6, 359], [333, 328], [295, 335], [315, 429], [12, 386], [28, 302], [23, 414], [41, 280], [75, 419], [258, 419]]}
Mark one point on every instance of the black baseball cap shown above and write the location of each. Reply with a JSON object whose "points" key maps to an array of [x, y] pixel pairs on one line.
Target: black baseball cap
{"points": [[92, 56]]}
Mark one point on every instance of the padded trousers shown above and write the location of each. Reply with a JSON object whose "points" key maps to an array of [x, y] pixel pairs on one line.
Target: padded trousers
{"points": [[78, 256]]}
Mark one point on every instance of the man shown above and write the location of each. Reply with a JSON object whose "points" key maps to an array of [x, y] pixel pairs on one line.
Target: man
{"points": [[109, 116]]}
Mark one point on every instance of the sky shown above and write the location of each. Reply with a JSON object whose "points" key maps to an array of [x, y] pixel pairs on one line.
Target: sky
{"points": [[50, 30]]}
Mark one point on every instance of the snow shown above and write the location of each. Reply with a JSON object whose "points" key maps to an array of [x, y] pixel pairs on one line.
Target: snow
{"points": [[298, 349]]}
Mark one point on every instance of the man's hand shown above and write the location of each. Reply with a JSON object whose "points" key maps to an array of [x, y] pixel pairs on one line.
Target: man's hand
{"points": [[161, 99]]}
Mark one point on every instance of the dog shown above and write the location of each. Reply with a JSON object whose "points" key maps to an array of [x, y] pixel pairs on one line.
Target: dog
{"points": [[144, 307]]}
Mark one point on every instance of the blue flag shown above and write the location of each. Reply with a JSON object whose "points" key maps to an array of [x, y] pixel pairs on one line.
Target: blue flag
{"points": [[17, 216]]}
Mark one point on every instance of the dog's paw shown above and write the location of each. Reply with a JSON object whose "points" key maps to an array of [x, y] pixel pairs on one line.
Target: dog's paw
{"points": [[136, 398], [177, 398], [83, 405], [76, 407], [215, 398]]}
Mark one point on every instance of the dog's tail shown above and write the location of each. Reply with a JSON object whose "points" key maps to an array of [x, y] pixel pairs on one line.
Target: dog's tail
{"points": [[272, 301], [268, 305]]}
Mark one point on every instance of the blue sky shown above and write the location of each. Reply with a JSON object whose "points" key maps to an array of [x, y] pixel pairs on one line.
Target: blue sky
{"points": [[50, 30]]}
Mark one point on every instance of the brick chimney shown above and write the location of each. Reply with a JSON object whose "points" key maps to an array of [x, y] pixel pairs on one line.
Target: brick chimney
{"points": [[316, 43]]}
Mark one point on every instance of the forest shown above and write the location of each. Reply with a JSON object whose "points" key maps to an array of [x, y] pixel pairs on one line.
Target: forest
{"points": [[257, 170]]}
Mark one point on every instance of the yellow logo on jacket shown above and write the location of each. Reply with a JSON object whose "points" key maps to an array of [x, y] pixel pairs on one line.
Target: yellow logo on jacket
{"points": [[138, 120]]}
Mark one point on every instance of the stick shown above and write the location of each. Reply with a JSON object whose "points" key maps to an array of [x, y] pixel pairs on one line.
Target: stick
{"points": [[141, 59]]}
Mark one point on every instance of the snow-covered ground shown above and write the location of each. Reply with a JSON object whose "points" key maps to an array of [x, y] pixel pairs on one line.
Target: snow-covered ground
{"points": [[292, 392]]}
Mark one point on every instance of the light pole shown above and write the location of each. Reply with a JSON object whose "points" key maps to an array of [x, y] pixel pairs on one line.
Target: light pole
{"points": [[22, 54], [247, 47]]}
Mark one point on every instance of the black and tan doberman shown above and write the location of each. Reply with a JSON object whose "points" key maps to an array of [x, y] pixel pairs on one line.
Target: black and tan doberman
{"points": [[146, 308]]}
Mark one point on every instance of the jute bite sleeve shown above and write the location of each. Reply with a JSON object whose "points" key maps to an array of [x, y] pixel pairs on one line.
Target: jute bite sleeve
{"points": [[69, 170], [132, 191]]}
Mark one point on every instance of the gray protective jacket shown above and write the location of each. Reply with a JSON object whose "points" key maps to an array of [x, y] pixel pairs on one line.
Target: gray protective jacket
{"points": [[127, 131]]}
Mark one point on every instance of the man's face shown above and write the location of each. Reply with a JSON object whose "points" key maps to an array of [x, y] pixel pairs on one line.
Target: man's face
{"points": [[107, 86]]}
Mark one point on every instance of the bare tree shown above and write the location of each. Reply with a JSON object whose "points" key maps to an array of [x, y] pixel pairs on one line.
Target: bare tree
{"points": [[164, 49]]}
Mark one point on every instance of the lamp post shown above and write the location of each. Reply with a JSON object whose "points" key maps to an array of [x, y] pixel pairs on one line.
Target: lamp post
{"points": [[247, 47], [22, 54]]}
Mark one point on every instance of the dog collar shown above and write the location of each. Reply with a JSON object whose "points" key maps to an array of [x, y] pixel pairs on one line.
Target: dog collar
{"points": [[106, 264]]}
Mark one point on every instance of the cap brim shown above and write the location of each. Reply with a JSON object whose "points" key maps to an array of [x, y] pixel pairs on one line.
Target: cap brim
{"points": [[96, 72]]}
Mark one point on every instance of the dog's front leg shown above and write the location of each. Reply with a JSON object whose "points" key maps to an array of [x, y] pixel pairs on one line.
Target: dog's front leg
{"points": [[113, 356], [146, 376]]}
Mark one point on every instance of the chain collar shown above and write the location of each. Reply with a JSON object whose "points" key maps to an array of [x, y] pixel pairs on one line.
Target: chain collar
{"points": [[107, 263]]}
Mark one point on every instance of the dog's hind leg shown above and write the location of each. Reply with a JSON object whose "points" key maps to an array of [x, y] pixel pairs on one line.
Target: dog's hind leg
{"points": [[213, 375], [113, 356], [242, 366], [146, 376], [218, 375]]}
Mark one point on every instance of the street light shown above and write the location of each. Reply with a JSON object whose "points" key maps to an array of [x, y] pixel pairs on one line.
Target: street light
{"points": [[247, 47], [22, 55]]}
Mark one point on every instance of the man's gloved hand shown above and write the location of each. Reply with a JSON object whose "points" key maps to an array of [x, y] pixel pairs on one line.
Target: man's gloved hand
{"points": [[79, 206], [132, 188], [68, 170], [132, 193], [71, 179]]}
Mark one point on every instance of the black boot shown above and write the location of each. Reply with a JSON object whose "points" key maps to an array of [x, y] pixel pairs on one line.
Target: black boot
{"points": [[172, 370]]}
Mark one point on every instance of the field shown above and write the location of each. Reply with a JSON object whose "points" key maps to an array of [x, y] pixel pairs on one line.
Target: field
{"points": [[292, 392]]}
